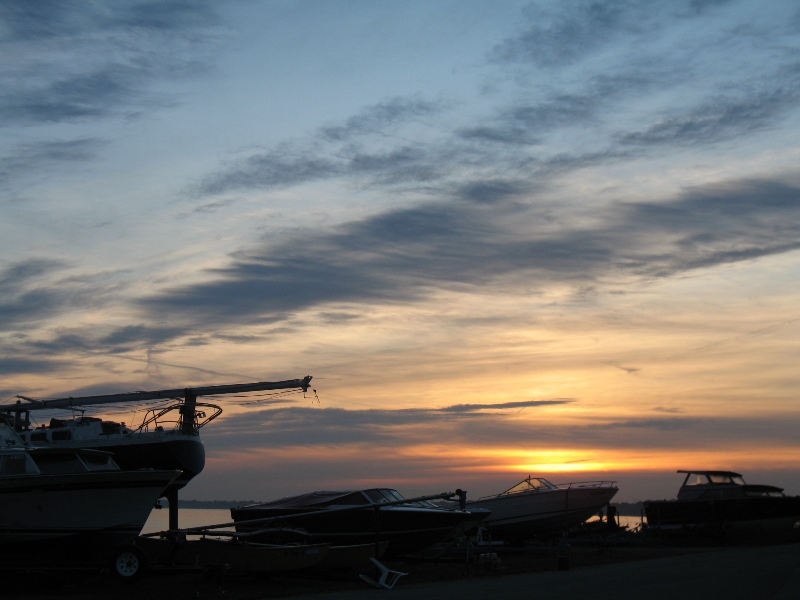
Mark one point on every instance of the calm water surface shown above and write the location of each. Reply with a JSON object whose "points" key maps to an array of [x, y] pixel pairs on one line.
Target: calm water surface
{"points": [[187, 517]]}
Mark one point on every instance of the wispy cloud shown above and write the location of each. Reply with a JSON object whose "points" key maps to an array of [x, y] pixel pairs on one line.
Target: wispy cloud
{"points": [[470, 408], [295, 425], [721, 119], [15, 276], [400, 255], [623, 111], [366, 145], [379, 119], [394, 256], [564, 33], [32, 159], [494, 425], [78, 65], [89, 61]]}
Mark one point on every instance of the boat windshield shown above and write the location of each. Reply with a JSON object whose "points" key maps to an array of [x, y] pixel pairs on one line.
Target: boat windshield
{"points": [[696, 479], [725, 478], [56, 464], [530, 484], [713, 478], [354, 499], [383, 496]]}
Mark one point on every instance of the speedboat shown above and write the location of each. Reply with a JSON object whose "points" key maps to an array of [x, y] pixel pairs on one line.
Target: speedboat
{"points": [[536, 507], [73, 502], [720, 505], [355, 517]]}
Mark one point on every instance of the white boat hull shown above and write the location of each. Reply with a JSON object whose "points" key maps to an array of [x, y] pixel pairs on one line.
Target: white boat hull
{"points": [[526, 514], [105, 509]]}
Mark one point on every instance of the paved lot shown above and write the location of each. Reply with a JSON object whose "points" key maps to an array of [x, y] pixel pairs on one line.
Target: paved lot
{"points": [[768, 573], [753, 573]]}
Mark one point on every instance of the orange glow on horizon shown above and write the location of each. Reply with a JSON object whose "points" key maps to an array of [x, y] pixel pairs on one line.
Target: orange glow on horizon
{"points": [[638, 460], [486, 460]]}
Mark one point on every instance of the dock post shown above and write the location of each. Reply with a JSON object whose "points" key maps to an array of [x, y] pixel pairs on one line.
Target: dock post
{"points": [[172, 500]]}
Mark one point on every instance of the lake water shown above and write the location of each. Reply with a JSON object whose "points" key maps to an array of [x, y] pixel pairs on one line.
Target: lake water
{"points": [[630, 522], [197, 517], [187, 517]]}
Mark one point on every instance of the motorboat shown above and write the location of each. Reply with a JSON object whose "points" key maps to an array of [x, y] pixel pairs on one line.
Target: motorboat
{"points": [[73, 503], [720, 505], [536, 507], [351, 518]]}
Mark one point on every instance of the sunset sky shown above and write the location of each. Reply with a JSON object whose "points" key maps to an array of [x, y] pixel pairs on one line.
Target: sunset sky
{"points": [[552, 237]]}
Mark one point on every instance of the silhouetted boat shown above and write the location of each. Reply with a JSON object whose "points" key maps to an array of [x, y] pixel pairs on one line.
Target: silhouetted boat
{"points": [[168, 437], [65, 505], [159, 443], [720, 505], [535, 506], [355, 517]]}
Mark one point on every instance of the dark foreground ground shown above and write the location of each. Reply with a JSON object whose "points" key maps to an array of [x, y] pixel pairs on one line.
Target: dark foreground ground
{"points": [[652, 572]]}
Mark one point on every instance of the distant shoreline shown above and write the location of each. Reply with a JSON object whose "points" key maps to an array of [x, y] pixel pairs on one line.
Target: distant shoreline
{"points": [[629, 509], [214, 504]]}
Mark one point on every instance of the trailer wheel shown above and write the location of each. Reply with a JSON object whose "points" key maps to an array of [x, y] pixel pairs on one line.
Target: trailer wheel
{"points": [[128, 564]]}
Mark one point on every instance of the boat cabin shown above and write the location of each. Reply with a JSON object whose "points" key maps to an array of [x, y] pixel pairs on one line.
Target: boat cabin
{"points": [[18, 459], [721, 485], [64, 430], [22, 461]]}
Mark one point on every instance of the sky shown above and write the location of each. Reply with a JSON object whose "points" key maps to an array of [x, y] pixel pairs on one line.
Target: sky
{"points": [[557, 238]]}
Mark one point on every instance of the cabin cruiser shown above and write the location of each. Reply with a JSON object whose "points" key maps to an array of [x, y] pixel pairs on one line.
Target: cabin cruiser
{"points": [[536, 507], [71, 501], [357, 517], [720, 505]]}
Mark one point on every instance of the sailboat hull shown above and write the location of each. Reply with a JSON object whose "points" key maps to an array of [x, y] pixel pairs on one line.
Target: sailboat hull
{"points": [[95, 509]]}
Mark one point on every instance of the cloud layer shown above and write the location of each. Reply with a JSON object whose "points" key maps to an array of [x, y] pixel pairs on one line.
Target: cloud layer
{"points": [[501, 214]]}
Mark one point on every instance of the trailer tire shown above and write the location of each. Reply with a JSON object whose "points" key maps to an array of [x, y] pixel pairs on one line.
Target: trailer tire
{"points": [[128, 564]]}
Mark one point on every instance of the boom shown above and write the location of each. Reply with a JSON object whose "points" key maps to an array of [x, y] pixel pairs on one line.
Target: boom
{"points": [[188, 394]]}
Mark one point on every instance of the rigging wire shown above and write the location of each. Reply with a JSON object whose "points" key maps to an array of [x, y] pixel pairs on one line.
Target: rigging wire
{"points": [[122, 409], [263, 398]]}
